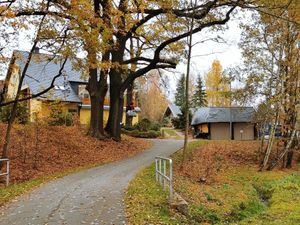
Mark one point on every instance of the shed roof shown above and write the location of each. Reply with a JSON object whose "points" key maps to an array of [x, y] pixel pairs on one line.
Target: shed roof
{"points": [[175, 110], [40, 74], [223, 114]]}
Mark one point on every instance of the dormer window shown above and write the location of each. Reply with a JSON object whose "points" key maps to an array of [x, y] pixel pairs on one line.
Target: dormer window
{"points": [[59, 87]]}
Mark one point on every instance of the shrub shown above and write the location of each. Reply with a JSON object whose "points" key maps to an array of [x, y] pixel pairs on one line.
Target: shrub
{"points": [[130, 128], [61, 119], [167, 122], [22, 113], [142, 134], [144, 125], [155, 126], [58, 117]]}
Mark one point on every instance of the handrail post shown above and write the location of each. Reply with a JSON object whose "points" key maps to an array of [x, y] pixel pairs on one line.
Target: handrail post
{"points": [[161, 174], [165, 175], [171, 174], [160, 178], [156, 167], [6, 174]]}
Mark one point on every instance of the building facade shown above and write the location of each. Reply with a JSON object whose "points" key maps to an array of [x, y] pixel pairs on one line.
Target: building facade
{"points": [[224, 123], [69, 89]]}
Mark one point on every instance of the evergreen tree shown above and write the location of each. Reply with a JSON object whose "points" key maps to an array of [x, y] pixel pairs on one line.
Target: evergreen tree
{"points": [[199, 96], [179, 122], [180, 92]]}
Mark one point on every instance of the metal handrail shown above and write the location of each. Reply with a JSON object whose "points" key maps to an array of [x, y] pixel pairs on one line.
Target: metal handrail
{"points": [[7, 170], [161, 172]]}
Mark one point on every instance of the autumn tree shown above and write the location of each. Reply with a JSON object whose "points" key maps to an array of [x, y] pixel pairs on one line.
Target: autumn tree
{"points": [[103, 30], [199, 95], [217, 87], [271, 61], [153, 101]]}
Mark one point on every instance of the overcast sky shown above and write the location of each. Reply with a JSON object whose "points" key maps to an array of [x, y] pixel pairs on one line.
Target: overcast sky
{"points": [[229, 54]]}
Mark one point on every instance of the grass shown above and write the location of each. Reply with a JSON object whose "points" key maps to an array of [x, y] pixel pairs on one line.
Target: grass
{"points": [[170, 131], [146, 202], [14, 190], [192, 146], [241, 195]]}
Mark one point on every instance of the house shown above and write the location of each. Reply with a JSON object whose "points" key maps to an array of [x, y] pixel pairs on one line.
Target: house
{"points": [[172, 111], [224, 123], [69, 89]]}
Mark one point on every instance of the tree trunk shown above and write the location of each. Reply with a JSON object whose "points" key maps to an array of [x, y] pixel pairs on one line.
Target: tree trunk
{"points": [[113, 127], [270, 142], [286, 150], [97, 90], [129, 99], [289, 159], [187, 109]]}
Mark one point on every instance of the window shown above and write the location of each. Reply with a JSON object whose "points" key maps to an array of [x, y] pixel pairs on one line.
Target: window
{"points": [[73, 111]]}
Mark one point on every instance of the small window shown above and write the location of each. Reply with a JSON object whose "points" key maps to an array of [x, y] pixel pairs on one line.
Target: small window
{"points": [[73, 111]]}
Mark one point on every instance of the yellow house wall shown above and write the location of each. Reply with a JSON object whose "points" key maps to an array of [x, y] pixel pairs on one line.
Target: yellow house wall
{"points": [[85, 117], [13, 82], [42, 109]]}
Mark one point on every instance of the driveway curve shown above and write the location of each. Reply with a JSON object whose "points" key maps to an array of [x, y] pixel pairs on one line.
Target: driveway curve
{"points": [[93, 196]]}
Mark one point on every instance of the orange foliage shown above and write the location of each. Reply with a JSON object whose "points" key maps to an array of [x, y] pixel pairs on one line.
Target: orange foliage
{"points": [[217, 157], [56, 149]]}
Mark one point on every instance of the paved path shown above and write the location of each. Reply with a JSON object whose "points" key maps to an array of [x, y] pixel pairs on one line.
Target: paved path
{"points": [[94, 196]]}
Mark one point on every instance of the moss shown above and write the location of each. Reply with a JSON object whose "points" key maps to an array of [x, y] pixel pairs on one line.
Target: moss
{"points": [[201, 214]]}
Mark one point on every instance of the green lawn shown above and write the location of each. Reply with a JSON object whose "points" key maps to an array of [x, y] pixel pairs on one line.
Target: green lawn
{"points": [[146, 202], [170, 132]]}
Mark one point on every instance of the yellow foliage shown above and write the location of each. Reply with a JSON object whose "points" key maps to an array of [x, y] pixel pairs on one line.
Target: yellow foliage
{"points": [[216, 86]]}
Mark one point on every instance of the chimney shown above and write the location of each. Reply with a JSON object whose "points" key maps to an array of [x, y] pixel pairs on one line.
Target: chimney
{"points": [[36, 50]]}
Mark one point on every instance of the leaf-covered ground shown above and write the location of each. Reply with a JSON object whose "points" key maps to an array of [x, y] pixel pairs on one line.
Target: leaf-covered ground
{"points": [[222, 185], [45, 150]]}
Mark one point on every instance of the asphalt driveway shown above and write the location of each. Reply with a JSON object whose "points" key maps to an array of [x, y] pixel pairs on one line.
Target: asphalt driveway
{"points": [[93, 196]]}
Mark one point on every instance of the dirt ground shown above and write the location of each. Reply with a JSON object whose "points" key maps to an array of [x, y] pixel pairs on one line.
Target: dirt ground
{"points": [[43, 150]]}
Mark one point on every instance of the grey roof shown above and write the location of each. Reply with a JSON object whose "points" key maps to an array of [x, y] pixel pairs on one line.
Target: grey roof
{"points": [[40, 74], [175, 110], [223, 114]]}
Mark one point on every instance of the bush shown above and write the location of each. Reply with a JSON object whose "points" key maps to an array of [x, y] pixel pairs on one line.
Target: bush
{"points": [[155, 126], [143, 129], [58, 117], [130, 128], [142, 134], [167, 122], [143, 125], [22, 113], [61, 119]]}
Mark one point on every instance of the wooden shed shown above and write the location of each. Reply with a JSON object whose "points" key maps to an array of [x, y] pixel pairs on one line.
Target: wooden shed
{"points": [[224, 123]]}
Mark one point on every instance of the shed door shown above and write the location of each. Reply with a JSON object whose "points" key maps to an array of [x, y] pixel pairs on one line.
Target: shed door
{"points": [[243, 131], [220, 131]]}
